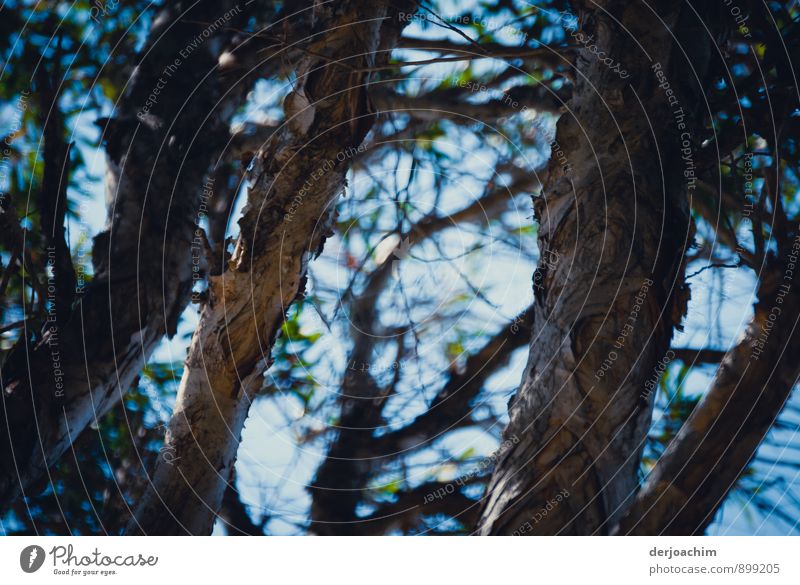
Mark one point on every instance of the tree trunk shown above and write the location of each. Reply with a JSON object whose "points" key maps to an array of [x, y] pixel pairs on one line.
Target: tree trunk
{"points": [[296, 181], [157, 157], [614, 225]]}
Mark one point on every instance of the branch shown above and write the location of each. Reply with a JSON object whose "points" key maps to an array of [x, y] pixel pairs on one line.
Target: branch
{"points": [[52, 201], [452, 405], [404, 514], [155, 182], [249, 139], [452, 103], [698, 356], [604, 314], [295, 182], [234, 513], [337, 486], [715, 216], [714, 446], [549, 57]]}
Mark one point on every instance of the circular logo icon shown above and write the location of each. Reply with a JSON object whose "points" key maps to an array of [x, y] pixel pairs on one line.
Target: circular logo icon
{"points": [[31, 558]]}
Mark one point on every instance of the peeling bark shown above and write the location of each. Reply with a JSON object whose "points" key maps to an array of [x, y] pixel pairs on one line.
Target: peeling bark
{"points": [[614, 226], [296, 180], [54, 388]]}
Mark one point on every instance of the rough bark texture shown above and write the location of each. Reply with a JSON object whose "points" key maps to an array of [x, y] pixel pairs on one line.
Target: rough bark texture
{"points": [[295, 183], [142, 262], [614, 225], [702, 463]]}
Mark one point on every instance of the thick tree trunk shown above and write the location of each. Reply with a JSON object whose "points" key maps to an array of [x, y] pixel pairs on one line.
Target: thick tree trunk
{"points": [[296, 181], [159, 147], [614, 225], [703, 462]]}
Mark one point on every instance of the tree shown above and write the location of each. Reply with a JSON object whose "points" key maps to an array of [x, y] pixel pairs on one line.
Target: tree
{"points": [[296, 178], [614, 213], [372, 305], [59, 378]]}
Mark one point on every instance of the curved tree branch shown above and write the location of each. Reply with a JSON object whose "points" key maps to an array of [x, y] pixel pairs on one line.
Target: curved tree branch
{"points": [[718, 440], [159, 148], [295, 182]]}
